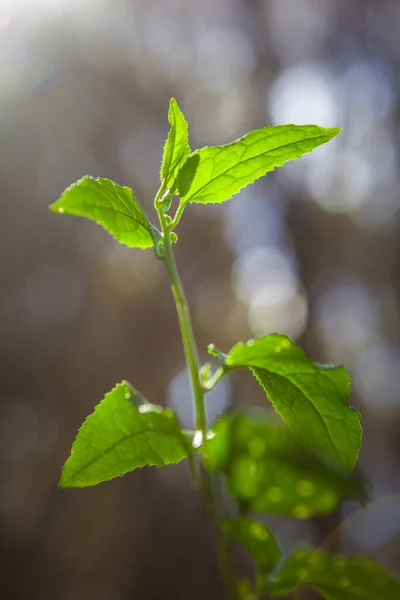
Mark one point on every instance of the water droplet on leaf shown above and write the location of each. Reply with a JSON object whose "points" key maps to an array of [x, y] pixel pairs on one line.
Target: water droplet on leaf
{"points": [[258, 531], [305, 488], [301, 512]]}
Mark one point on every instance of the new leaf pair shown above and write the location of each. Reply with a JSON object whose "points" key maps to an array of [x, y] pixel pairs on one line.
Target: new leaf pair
{"points": [[210, 175]]}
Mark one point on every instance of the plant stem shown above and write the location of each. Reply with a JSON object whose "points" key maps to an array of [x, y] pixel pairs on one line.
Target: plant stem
{"points": [[214, 379], [187, 336], [178, 215], [223, 543], [210, 482]]}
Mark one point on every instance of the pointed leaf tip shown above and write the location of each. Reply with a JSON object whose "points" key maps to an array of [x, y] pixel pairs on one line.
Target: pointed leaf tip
{"points": [[311, 398], [123, 433], [222, 171], [113, 207], [176, 149]]}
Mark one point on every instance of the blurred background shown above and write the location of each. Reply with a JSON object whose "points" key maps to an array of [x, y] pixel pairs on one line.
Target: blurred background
{"points": [[312, 250]]}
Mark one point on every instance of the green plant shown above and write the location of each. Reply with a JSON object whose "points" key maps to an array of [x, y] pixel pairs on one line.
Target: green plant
{"points": [[297, 468]]}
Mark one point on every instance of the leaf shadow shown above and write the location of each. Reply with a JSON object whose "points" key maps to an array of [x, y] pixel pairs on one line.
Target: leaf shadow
{"points": [[187, 173]]}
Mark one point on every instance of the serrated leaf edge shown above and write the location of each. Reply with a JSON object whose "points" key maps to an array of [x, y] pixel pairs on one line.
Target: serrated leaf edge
{"points": [[186, 445], [155, 234], [336, 131]]}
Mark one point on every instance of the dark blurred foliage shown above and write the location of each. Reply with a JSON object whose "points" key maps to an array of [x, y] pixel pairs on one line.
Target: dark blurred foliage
{"points": [[312, 250]]}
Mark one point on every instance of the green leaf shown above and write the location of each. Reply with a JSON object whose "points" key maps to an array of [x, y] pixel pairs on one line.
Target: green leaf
{"points": [[311, 398], [257, 539], [269, 470], [336, 577], [176, 149], [123, 433], [112, 206], [215, 173]]}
